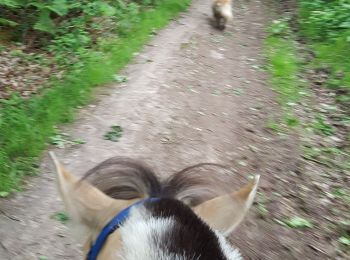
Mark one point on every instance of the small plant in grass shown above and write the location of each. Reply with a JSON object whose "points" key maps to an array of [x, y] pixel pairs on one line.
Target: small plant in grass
{"points": [[238, 91], [342, 193], [120, 78], [274, 126], [79, 141], [279, 27], [228, 33], [322, 126], [295, 222], [4, 194], [291, 120], [312, 152], [58, 141], [61, 140], [61, 217], [343, 98], [115, 134], [345, 240], [262, 210]]}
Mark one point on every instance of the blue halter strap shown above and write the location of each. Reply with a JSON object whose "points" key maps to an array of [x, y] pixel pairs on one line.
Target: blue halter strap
{"points": [[114, 224]]}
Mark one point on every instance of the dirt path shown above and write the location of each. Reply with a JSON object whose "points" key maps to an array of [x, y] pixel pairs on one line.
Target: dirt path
{"points": [[194, 94]]}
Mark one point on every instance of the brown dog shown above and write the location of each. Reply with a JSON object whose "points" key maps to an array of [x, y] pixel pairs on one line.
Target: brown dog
{"points": [[222, 12]]}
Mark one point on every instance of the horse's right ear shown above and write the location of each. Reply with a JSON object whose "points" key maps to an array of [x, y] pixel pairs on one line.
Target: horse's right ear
{"points": [[86, 204], [224, 213]]}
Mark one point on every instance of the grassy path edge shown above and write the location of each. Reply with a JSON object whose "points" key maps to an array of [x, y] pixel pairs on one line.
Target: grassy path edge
{"points": [[26, 126]]}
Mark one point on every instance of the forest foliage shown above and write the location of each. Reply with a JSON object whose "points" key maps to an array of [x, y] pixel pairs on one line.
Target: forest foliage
{"points": [[80, 45]]}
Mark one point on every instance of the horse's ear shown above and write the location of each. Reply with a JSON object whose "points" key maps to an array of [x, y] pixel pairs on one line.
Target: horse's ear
{"points": [[84, 203], [224, 213]]}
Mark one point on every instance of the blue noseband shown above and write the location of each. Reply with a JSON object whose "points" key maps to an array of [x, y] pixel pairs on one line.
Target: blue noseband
{"points": [[114, 224]]}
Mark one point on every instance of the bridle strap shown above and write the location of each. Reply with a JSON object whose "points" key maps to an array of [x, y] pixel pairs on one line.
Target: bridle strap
{"points": [[114, 224]]}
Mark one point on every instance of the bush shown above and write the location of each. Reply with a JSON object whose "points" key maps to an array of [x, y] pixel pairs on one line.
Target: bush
{"points": [[325, 24], [46, 19], [325, 19], [26, 125]]}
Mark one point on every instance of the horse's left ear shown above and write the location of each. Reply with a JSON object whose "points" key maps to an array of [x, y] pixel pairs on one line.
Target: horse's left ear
{"points": [[86, 204], [224, 213]]}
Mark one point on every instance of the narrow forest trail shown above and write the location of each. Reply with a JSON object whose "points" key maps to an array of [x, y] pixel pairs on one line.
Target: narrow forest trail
{"points": [[193, 94]]}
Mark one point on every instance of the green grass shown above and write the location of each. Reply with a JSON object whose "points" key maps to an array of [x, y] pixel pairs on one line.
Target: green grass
{"points": [[283, 65], [325, 27], [114, 134], [61, 217], [331, 55], [283, 68], [26, 126], [295, 222]]}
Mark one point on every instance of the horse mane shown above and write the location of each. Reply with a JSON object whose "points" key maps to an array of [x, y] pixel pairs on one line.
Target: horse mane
{"points": [[125, 178]]}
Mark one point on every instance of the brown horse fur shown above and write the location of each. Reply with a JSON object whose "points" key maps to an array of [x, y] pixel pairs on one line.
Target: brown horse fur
{"points": [[189, 221]]}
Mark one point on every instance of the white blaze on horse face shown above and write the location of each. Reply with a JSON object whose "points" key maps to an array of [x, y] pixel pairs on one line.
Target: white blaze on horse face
{"points": [[138, 233], [137, 236]]}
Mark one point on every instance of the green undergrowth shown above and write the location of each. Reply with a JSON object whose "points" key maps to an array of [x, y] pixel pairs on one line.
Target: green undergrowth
{"points": [[27, 125], [325, 27], [283, 65], [332, 56], [316, 66]]}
